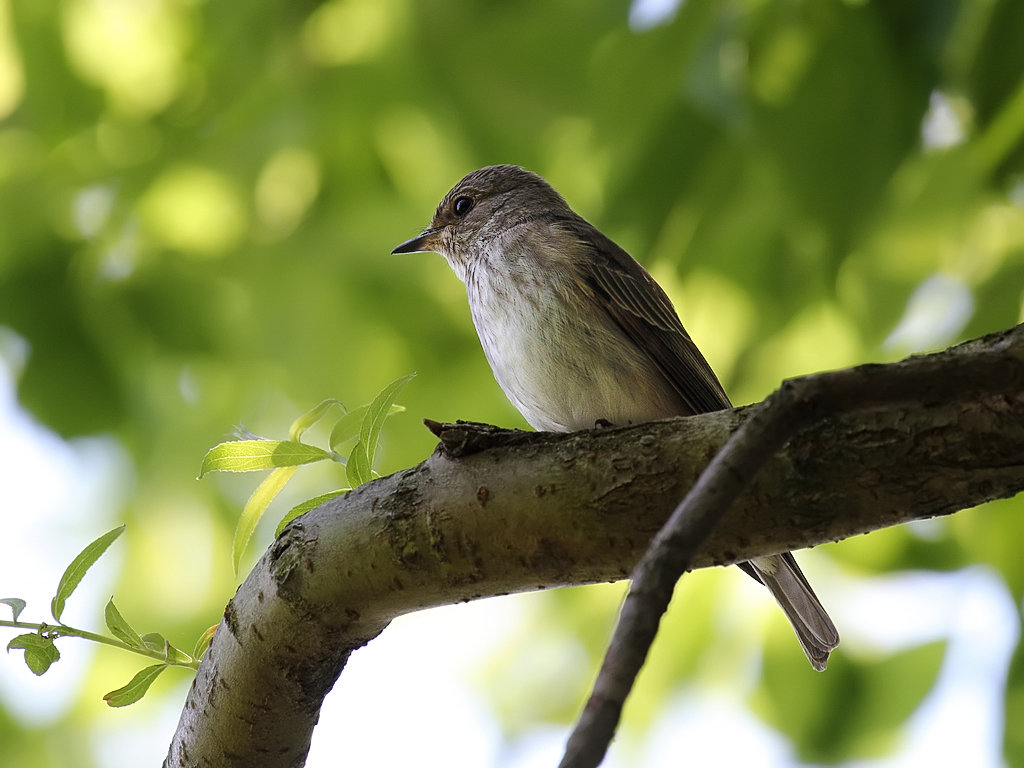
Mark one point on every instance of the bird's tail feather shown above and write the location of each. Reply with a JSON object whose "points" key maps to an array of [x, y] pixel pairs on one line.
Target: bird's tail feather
{"points": [[786, 582]]}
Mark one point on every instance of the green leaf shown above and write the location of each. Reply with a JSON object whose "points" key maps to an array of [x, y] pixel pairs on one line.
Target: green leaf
{"points": [[358, 466], [254, 508], [154, 641], [376, 413], [203, 642], [17, 605], [120, 628], [40, 652], [74, 573], [348, 425], [311, 417], [135, 689], [249, 455], [304, 507]]}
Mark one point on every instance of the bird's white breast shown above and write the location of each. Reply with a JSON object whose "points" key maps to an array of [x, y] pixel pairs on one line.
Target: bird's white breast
{"points": [[553, 351]]}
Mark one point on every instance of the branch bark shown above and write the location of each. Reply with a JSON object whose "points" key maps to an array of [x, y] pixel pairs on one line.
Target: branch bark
{"points": [[793, 407], [493, 512]]}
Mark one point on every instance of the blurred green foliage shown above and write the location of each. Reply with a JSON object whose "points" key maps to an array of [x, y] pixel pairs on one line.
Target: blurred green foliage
{"points": [[198, 200]]}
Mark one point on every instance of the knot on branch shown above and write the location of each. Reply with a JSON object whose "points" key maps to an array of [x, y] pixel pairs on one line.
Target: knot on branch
{"points": [[464, 438]]}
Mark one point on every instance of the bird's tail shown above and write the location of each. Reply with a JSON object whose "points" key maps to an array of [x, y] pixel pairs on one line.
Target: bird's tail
{"points": [[784, 579]]}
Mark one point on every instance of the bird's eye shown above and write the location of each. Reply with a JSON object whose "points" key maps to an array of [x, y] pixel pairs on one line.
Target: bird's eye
{"points": [[462, 206]]}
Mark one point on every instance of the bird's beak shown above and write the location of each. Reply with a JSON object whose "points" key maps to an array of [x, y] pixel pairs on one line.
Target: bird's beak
{"points": [[425, 242]]}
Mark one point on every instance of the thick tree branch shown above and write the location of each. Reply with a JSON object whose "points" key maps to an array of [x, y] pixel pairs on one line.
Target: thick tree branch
{"points": [[535, 511], [792, 408]]}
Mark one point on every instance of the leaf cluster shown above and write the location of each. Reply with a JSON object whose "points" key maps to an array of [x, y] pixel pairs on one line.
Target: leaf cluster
{"points": [[359, 428], [40, 648]]}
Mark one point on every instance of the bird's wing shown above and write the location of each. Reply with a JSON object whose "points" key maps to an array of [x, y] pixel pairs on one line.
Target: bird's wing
{"points": [[640, 308]]}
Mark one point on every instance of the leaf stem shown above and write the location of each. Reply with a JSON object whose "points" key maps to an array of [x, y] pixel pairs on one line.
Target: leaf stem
{"points": [[53, 631]]}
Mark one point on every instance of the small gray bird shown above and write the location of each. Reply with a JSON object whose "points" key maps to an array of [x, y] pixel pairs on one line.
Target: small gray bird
{"points": [[577, 333]]}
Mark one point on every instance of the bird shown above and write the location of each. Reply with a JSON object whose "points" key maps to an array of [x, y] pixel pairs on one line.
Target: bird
{"points": [[577, 333]]}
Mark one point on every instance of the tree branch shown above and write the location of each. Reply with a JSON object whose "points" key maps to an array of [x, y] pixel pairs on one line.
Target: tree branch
{"points": [[796, 405], [517, 511]]}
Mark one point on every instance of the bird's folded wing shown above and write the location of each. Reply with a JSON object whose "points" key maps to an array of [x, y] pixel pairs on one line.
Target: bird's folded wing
{"points": [[638, 305]]}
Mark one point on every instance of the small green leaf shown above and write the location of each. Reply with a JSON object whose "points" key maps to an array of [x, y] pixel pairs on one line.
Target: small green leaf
{"points": [[154, 641], [120, 628], [311, 417], [348, 425], [204, 642], [304, 507], [249, 455], [135, 689], [17, 605], [254, 508], [376, 413], [358, 466], [40, 652], [74, 573]]}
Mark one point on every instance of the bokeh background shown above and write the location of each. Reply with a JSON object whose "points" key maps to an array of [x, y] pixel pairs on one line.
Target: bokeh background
{"points": [[197, 204]]}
